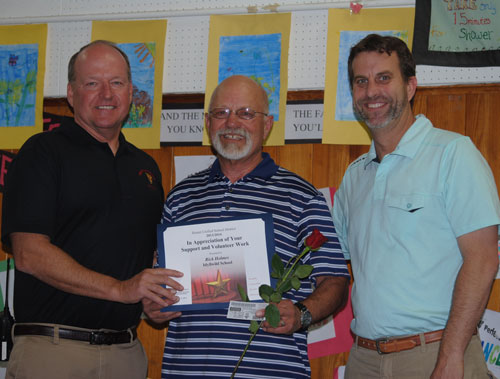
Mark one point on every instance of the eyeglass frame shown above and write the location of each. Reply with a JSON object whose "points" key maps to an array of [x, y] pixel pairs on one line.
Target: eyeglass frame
{"points": [[229, 111]]}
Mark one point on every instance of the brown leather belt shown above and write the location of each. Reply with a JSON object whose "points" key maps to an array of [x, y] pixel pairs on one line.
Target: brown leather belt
{"points": [[393, 345], [96, 337]]}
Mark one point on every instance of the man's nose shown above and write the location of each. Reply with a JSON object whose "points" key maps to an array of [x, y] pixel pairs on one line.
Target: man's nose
{"points": [[372, 88], [232, 119], [106, 90]]}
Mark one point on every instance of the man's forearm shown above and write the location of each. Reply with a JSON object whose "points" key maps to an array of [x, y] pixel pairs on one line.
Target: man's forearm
{"points": [[470, 296], [329, 297], [35, 255]]}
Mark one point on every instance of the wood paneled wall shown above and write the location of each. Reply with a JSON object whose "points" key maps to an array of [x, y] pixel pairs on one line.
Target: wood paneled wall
{"points": [[469, 110]]}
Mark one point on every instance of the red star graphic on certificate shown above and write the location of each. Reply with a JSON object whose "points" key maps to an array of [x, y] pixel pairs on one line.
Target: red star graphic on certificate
{"points": [[220, 285]]}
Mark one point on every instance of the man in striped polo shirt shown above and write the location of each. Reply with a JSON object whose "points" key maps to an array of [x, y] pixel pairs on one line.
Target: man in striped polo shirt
{"points": [[242, 181]]}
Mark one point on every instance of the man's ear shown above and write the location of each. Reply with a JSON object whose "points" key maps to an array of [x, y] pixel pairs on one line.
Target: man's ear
{"points": [[411, 87], [69, 94], [268, 126]]}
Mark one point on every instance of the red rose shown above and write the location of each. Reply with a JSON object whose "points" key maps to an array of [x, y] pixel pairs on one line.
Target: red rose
{"points": [[315, 240]]}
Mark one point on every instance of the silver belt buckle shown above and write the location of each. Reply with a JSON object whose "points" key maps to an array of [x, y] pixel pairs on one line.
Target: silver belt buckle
{"points": [[377, 345]]}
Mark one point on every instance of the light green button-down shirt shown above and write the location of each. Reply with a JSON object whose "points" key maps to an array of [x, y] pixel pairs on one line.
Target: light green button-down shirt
{"points": [[398, 221]]}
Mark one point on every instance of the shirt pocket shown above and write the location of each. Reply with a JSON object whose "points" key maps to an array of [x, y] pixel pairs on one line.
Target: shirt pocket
{"points": [[407, 203]]}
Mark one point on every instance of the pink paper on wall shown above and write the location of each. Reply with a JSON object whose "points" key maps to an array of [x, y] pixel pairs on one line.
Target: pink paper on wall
{"points": [[343, 339], [335, 335]]}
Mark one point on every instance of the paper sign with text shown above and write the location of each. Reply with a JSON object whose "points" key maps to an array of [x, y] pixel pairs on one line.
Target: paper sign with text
{"points": [[489, 332], [216, 257]]}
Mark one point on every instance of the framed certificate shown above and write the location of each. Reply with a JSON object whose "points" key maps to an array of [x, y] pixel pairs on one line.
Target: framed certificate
{"points": [[217, 256]]}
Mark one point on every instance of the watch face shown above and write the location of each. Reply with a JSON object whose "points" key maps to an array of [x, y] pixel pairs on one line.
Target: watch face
{"points": [[306, 319], [305, 315]]}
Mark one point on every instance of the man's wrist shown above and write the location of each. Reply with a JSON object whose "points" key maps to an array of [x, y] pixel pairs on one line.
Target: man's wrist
{"points": [[305, 316]]}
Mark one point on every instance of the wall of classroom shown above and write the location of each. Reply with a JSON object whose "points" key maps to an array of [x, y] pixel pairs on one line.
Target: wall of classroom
{"points": [[469, 110]]}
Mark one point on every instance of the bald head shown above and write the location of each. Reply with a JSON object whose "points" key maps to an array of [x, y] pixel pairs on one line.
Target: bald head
{"points": [[256, 93], [72, 61]]}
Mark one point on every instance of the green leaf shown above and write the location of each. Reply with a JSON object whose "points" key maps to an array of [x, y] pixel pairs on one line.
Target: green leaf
{"points": [[274, 274], [295, 283], [265, 292], [272, 315], [277, 265], [254, 326], [276, 297], [286, 286], [243, 293], [303, 271]]}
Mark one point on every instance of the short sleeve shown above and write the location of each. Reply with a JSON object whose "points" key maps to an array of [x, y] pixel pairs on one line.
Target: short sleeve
{"points": [[471, 196]]}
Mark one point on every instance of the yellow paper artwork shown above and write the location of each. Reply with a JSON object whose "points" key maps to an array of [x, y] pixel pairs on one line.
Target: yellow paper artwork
{"points": [[255, 46], [144, 44], [344, 30]]}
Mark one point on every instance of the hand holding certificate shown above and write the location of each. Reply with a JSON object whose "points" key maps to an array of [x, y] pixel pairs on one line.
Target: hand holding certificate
{"points": [[216, 257]]}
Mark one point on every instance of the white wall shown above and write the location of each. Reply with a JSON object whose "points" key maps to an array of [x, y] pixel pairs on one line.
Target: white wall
{"points": [[186, 42]]}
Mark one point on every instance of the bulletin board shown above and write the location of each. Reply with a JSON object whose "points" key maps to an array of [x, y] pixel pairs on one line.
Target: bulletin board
{"points": [[186, 45]]}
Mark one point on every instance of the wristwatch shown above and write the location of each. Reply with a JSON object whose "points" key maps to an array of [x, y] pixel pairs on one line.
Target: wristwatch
{"points": [[305, 316]]}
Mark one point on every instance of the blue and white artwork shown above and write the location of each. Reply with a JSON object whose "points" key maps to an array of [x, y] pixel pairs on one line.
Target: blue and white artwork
{"points": [[343, 106], [255, 56], [142, 64], [18, 71]]}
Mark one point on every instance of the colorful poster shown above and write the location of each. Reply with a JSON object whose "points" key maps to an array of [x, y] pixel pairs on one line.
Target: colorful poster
{"points": [[464, 26], [22, 71], [457, 33], [345, 29], [490, 339], [254, 46], [343, 106], [144, 44]]}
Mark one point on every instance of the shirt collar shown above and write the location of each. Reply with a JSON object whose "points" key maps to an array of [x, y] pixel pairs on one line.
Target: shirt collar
{"points": [[409, 143], [80, 136], [265, 169]]}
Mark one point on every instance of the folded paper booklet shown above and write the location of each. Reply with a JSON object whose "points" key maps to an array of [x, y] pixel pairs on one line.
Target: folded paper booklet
{"points": [[217, 256]]}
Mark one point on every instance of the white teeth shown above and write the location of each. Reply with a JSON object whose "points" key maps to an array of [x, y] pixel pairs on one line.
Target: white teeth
{"points": [[376, 105], [106, 107], [232, 136]]}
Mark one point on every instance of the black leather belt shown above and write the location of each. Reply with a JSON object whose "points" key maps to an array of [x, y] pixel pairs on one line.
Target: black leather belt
{"points": [[96, 337]]}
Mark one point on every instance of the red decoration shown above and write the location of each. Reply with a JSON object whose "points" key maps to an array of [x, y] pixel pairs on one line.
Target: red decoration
{"points": [[356, 7]]}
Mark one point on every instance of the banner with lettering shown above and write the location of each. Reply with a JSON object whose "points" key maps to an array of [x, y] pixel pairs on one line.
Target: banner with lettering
{"points": [[489, 332], [5, 160], [182, 124], [457, 33], [304, 121]]}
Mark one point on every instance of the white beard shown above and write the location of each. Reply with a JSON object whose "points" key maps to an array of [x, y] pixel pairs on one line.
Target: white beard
{"points": [[232, 151]]}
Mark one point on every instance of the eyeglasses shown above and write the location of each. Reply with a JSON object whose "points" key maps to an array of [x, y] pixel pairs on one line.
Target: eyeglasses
{"points": [[243, 113]]}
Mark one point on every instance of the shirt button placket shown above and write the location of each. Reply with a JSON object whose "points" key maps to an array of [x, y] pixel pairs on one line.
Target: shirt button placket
{"points": [[227, 198]]}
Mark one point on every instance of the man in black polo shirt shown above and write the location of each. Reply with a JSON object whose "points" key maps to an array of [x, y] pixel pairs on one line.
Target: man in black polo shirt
{"points": [[79, 213]]}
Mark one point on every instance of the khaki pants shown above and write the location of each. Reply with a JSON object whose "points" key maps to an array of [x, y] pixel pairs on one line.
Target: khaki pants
{"points": [[417, 363], [57, 358]]}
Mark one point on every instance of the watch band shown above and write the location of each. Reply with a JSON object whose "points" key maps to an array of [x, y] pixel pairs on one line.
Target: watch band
{"points": [[305, 316]]}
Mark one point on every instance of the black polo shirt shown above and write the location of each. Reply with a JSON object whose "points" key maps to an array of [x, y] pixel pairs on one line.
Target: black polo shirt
{"points": [[99, 208]]}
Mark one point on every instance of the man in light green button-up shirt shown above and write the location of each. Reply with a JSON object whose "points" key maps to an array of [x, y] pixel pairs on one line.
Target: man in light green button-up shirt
{"points": [[418, 217]]}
